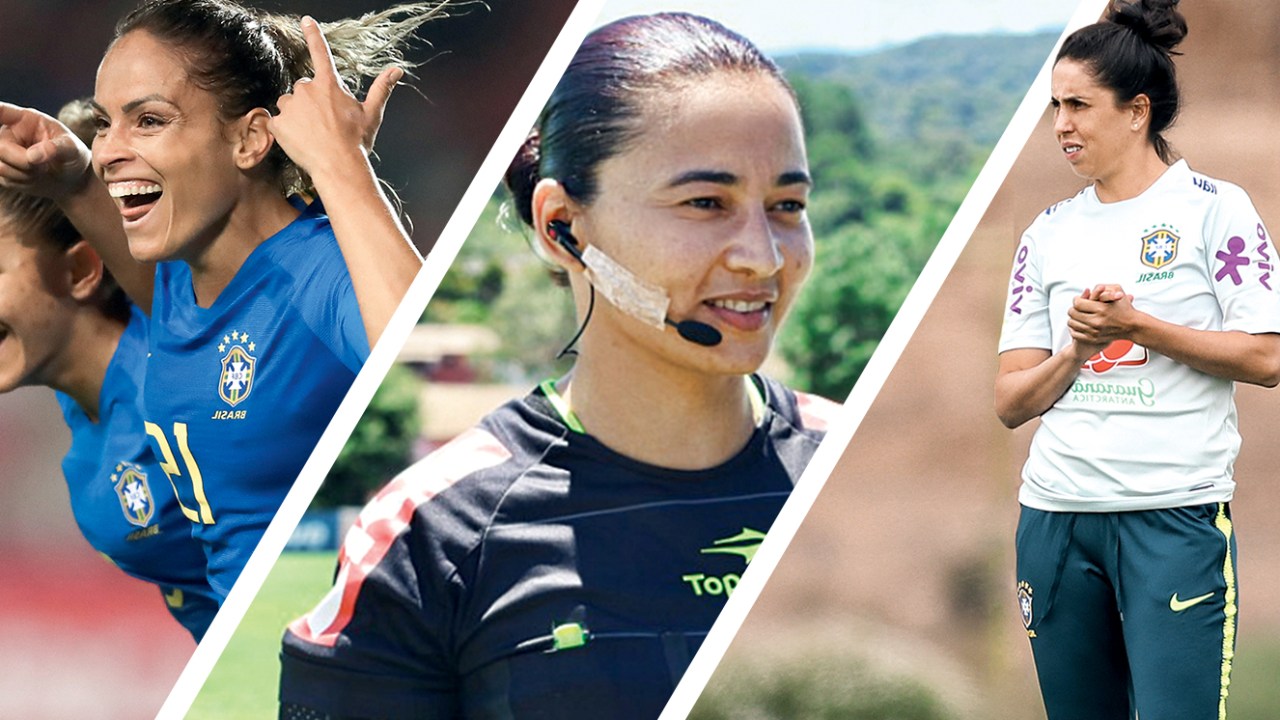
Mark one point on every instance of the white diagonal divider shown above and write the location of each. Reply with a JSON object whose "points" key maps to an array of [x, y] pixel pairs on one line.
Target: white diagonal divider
{"points": [[868, 386], [464, 218]]}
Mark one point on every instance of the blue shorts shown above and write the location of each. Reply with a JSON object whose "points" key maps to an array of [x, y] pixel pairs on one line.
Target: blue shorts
{"points": [[1130, 614]]}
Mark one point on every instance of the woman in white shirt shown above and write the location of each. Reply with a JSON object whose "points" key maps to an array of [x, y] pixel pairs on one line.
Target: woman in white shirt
{"points": [[1133, 309]]}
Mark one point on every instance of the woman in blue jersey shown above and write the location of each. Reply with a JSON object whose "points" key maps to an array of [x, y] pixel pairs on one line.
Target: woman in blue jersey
{"points": [[210, 130], [65, 325], [567, 556], [1133, 309]]}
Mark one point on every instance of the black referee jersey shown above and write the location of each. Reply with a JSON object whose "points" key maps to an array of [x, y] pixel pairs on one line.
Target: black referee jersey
{"points": [[526, 570]]}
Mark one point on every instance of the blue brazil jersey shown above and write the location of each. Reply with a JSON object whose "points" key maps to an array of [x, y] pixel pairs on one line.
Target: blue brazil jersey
{"points": [[120, 498], [526, 570], [238, 393]]}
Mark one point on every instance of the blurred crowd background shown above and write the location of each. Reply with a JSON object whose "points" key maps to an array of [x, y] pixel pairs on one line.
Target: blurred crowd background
{"points": [[81, 638]]}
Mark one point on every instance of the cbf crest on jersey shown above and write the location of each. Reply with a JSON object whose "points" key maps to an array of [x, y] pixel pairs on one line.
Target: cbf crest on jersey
{"points": [[236, 380], [131, 487], [1159, 246]]}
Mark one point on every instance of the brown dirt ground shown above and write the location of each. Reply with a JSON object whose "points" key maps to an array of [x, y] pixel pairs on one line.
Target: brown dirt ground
{"points": [[911, 540]]}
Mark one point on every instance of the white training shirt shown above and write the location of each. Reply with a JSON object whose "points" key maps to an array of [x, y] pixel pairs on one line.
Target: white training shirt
{"points": [[1138, 431]]}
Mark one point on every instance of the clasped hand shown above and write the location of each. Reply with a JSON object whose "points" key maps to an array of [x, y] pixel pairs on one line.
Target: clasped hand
{"points": [[1099, 316]]}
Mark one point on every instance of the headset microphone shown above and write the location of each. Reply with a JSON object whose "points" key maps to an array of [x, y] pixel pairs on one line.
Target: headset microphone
{"points": [[629, 293], [698, 333]]}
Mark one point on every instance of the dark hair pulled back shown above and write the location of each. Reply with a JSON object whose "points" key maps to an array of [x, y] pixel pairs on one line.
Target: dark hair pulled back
{"points": [[1131, 52], [594, 111], [248, 58]]}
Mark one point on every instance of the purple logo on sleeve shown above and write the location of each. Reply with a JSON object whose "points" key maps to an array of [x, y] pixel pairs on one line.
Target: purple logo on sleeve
{"points": [[1018, 286], [1265, 263], [1232, 260]]}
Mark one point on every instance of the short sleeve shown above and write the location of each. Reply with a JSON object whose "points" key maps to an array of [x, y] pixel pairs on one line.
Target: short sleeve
{"points": [[352, 339], [322, 290], [1026, 307], [377, 646], [1243, 265], [383, 643]]}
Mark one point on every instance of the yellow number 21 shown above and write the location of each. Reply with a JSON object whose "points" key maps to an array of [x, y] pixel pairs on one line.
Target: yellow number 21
{"points": [[170, 467]]}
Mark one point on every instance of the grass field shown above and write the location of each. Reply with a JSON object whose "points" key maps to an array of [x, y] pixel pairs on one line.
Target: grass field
{"points": [[246, 678]]}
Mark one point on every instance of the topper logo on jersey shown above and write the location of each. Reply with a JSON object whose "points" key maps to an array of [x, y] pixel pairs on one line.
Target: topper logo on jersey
{"points": [[131, 488], [744, 545], [1121, 353], [236, 379], [1159, 247]]}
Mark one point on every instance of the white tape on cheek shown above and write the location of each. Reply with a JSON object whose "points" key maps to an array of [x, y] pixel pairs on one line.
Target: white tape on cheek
{"points": [[633, 296]]}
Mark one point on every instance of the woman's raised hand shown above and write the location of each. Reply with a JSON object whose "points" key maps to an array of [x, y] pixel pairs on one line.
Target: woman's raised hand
{"points": [[39, 155], [321, 125]]}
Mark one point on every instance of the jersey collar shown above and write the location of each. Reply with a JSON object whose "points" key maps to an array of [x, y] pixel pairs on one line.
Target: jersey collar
{"points": [[571, 420]]}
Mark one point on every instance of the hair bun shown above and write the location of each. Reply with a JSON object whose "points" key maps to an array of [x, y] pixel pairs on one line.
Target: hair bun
{"points": [[1157, 22]]}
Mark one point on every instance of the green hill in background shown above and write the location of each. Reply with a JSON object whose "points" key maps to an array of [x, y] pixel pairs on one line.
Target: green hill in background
{"points": [[895, 139], [967, 85]]}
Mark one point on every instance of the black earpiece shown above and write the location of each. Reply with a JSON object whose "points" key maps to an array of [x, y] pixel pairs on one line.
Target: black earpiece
{"points": [[559, 231], [698, 333]]}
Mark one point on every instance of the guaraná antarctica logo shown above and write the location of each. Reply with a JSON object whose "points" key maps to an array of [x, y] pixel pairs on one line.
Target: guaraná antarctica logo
{"points": [[136, 501], [1119, 354], [744, 545], [235, 382], [1159, 246]]}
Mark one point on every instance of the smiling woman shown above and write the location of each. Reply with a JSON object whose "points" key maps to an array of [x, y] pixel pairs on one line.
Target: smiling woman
{"points": [[157, 135], [573, 550], [726, 234], [209, 127], [64, 325]]}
